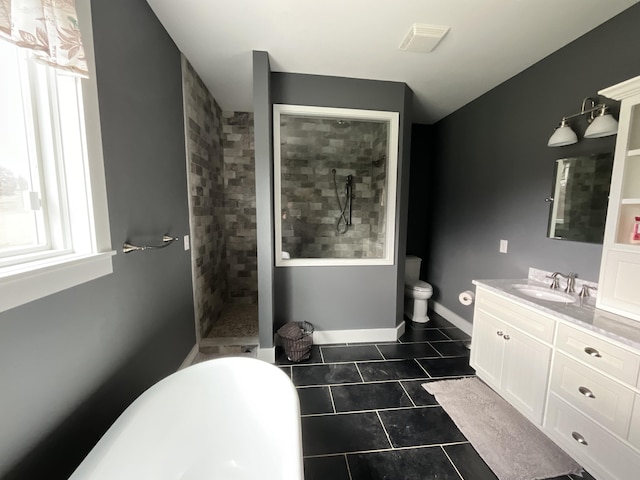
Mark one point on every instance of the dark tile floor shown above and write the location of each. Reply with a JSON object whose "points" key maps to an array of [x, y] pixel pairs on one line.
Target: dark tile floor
{"points": [[365, 415]]}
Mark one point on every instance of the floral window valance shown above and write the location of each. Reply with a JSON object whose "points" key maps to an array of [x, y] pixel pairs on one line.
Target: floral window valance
{"points": [[47, 27]]}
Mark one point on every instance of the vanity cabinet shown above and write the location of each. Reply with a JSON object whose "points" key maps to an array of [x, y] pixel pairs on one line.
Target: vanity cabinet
{"points": [[593, 409], [579, 386], [511, 352], [620, 267]]}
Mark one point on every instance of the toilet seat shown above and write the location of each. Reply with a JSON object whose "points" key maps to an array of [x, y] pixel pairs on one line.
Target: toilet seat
{"points": [[420, 286]]}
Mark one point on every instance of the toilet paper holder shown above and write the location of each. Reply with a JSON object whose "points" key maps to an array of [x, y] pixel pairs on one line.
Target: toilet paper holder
{"points": [[467, 297]]}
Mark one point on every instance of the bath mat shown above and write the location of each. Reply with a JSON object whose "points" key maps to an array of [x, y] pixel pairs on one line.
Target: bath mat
{"points": [[508, 443]]}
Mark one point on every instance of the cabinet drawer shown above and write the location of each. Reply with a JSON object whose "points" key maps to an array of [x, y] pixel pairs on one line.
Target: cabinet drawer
{"points": [[533, 323], [604, 400], [593, 447], [598, 353]]}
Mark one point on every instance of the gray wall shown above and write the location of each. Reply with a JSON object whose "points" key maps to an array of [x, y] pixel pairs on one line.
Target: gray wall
{"points": [[72, 361], [344, 298], [492, 168]]}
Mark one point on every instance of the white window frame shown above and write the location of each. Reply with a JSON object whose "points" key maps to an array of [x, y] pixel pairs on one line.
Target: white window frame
{"points": [[37, 277]]}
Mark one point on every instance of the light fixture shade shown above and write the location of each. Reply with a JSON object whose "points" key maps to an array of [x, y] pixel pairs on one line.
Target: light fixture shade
{"points": [[602, 126], [563, 136]]}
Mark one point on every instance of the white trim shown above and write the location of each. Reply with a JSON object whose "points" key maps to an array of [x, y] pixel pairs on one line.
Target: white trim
{"points": [[37, 280], [622, 90], [454, 318], [370, 335], [393, 121], [267, 354], [191, 356]]}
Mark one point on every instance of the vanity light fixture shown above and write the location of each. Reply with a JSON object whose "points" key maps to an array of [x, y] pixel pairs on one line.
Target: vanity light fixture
{"points": [[602, 124]]}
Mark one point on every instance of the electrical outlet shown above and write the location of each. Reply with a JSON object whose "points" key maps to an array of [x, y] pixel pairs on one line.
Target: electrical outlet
{"points": [[504, 244]]}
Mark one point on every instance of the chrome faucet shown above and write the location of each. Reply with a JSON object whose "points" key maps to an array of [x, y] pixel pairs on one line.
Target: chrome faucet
{"points": [[584, 291], [555, 282], [571, 283]]}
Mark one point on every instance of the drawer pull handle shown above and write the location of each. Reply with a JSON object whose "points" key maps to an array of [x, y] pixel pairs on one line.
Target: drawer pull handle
{"points": [[506, 337], [592, 351], [586, 392], [579, 438], [499, 333]]}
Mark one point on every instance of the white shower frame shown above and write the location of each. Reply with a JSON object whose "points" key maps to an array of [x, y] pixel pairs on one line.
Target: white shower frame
{"points": [[392, 120]]}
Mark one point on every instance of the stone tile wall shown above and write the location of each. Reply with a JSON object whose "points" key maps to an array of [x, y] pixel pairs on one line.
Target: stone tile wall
{"points": [[240, 207], [310, 149], [203, 117]]}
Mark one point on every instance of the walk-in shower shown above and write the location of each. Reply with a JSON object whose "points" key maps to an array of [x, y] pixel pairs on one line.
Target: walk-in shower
{"points": [[334, 178]]}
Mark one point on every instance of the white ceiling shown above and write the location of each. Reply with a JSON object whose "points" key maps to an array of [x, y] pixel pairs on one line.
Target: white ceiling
{"points": [[489, 42]]}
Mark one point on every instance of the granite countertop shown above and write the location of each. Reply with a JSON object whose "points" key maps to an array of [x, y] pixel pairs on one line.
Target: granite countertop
{"points": [[581, 313]]}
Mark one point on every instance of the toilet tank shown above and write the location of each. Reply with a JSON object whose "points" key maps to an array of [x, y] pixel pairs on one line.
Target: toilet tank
{"points": [[412, 269]]}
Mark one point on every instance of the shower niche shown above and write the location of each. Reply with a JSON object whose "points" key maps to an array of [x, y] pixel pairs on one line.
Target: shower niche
{"points": [[335, 172]]}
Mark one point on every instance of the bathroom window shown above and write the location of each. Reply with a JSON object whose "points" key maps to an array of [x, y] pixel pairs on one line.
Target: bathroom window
{"points": [[53, 221], [335, 184]]}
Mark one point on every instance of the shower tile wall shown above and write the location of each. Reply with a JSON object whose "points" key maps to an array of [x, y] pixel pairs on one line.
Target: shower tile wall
{"points": [[240, 207], [310, 149], [203, 117]]}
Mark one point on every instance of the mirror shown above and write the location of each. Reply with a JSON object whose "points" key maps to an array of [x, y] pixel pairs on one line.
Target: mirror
{"points": [[580, 197], [335, 185]]}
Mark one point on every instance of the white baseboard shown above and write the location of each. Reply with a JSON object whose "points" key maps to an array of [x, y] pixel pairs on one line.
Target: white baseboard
{"points": [[371, 335], [454, 318], [267, 354], [189, 358]]}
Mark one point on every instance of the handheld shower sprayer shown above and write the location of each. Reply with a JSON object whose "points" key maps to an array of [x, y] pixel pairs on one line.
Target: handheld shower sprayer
{"points": [[348, 193]]}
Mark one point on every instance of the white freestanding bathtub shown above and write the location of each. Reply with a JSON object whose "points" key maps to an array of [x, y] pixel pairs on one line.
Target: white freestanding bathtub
{"points": [[226, 419]]}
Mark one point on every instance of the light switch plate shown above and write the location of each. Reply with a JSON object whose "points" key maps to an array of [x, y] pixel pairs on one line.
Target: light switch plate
{"points": [[504, 244]]}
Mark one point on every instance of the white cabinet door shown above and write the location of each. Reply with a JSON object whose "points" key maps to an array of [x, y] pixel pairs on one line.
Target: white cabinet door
{"points": [[525, 372], [487, 347], [619, 282]]}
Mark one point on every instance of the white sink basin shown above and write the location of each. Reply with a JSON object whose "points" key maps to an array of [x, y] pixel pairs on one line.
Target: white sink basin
{"points": [[543, 293]]}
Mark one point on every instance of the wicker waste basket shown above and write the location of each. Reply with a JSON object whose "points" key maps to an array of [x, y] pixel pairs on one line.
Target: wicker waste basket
{"points": [[297, 339]]}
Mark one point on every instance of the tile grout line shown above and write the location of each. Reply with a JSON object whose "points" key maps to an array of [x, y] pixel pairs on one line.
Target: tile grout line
{"points": [[321, 354], [385, 429], [390, 449], [455, 467], [333, 404], [406, 393], [423, 369], [359, 372], [371, 410], [380, 352], [346, 460]]}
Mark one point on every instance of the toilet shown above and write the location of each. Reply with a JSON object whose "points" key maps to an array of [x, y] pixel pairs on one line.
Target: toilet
{"points": [[416, 292]]}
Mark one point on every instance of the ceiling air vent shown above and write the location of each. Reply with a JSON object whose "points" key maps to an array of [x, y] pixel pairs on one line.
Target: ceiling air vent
{"points": [[423, 38]]}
